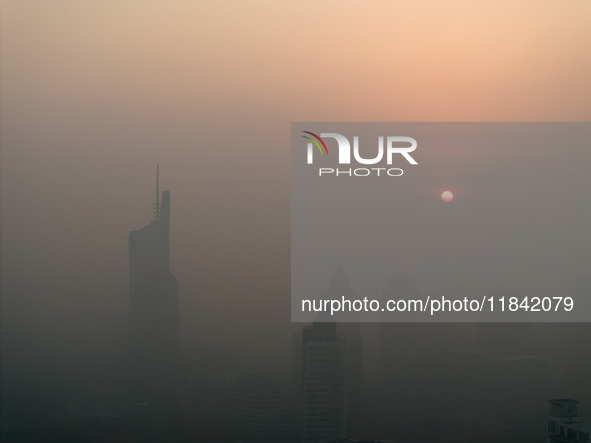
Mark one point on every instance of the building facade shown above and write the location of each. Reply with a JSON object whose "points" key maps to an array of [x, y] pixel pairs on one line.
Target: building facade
{"points": [[153, 306]]}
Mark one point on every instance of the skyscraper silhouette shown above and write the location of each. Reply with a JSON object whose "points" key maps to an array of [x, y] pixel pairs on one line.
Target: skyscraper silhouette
{"points": [[324, 384], [328, 366], [153, 304]]}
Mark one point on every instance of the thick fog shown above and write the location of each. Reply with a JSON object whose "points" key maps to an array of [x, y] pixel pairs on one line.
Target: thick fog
{"points": [[95, 94]]}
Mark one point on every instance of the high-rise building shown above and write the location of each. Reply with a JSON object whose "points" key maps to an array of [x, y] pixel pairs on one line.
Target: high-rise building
{"points": [[324, 384], [348, 329], [153, 303], [257, 405], [328, 369]]}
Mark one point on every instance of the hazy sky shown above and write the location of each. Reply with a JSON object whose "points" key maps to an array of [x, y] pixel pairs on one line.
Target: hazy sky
{"points": [[520, 218], [95, 93]]}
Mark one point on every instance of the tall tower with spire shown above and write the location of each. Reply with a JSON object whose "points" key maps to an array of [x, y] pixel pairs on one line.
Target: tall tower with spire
{"points": [[153, 300]]}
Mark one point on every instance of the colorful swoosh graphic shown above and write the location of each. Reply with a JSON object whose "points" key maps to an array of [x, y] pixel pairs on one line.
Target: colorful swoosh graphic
{"points": [[315, 142]]}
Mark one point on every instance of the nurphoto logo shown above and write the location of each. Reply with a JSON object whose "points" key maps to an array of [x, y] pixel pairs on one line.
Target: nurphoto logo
{"points": [[394, 145]]}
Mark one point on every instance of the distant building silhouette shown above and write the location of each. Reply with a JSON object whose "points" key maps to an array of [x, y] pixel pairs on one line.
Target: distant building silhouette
{"points": [[324, 384], [153, 305], [349, 330], [564, 424], [257, 405], [328, 369]]}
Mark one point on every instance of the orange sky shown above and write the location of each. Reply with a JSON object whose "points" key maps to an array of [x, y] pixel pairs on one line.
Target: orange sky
{"points": [[431, 60], [95, 93]]}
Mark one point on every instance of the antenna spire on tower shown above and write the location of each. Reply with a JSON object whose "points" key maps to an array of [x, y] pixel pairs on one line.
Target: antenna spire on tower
{"points": [[157, 211]]}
